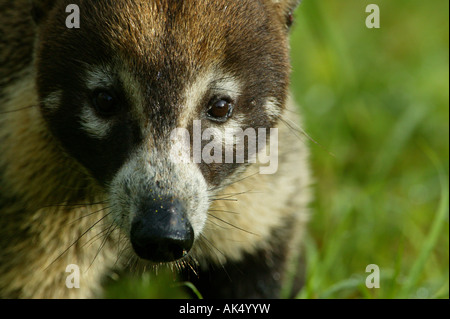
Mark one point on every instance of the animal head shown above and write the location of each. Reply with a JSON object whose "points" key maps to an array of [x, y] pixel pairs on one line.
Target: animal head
{"points": [[114, 90]]}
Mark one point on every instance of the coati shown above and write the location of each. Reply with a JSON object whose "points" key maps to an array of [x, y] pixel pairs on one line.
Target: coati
{"points": [[86, 172]]}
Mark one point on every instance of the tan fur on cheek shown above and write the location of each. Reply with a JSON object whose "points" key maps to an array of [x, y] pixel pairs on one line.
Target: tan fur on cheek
{"points": [[242, 217], [29, 152], [45, 231], [93, 125]]}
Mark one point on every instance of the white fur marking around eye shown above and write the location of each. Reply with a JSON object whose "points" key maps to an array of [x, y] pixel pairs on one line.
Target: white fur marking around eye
{"points": [[134, 92], [192, 97], [99, 77], [226, 84], [93, 125], [53, 101], [272, 107], [219, 83]]}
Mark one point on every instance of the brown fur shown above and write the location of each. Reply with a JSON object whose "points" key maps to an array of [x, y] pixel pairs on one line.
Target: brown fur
{"points": [[53, 212]]}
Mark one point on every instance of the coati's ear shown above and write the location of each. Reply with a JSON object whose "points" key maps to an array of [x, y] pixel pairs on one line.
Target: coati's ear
{"points": [[286, 10], [40, 9]]}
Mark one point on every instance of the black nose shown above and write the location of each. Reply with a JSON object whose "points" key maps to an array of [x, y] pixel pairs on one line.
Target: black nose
{"points": [[161, 232]]}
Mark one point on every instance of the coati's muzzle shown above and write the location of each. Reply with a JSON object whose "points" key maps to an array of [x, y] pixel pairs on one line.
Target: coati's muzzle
{"points": [[161, 231], [161, 205]]}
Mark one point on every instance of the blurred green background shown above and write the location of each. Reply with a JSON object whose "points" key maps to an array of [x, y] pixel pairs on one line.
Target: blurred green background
{"points": [[376, 105], [378, 101]]}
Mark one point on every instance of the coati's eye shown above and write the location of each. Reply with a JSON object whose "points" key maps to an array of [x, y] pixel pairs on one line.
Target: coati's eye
{"points": [[105, 102], [220, 110]]}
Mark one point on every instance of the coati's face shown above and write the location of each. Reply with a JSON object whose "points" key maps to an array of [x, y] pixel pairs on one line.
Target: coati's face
{"points": [[114, 90]]}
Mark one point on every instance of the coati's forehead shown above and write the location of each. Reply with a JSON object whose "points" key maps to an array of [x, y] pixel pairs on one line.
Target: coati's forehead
{"points": [[172, 37], [194, 32]]}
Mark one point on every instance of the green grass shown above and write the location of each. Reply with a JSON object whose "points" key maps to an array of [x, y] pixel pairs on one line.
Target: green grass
{"points": [[376, 102]]}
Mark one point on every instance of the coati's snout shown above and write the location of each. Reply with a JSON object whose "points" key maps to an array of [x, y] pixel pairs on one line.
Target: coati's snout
{"points": [[161, 206], [161, 231]]}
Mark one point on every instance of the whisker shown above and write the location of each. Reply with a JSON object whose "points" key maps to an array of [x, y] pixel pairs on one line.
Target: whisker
{"points": [[75, 205], [211, 245], [191, 266], [96, 236], [90, 214], [217, 225], [224, 211], [232, 225], [228, 197], [224, 199], [122, 246], [234, 182], [133, 261], [110, 230], [17, 110], [295, 129], [76, 241]]}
